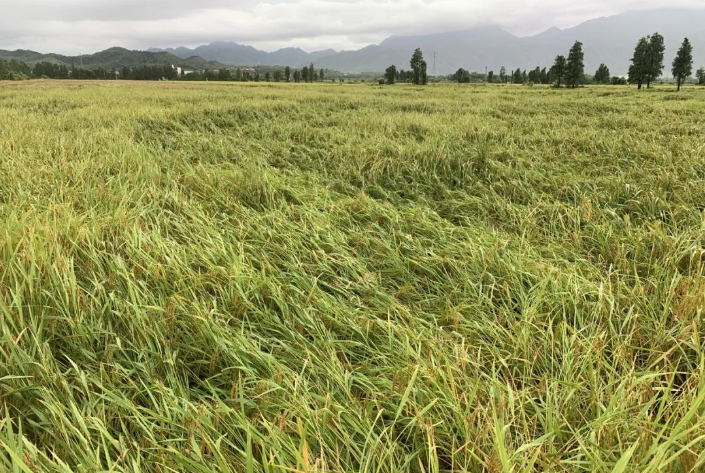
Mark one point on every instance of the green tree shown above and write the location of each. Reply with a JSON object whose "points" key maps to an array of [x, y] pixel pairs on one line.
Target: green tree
{"points": [[535, 75], [654, 59], [462, 76], [700, 74], [490, 77], [390, 75], [516, 77], [311, 73], [638, 67], [287, 73], [503, 74], [575, 66], [683, 63], [558, 69], [602, 75], [418, 65], [544, 76], [304, 74]]}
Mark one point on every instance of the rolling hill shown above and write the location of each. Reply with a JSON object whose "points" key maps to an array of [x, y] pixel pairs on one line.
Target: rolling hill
{"points": [[111, 58]]}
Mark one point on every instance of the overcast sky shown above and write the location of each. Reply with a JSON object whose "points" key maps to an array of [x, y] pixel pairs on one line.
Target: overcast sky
{"points": [[85, 26]]}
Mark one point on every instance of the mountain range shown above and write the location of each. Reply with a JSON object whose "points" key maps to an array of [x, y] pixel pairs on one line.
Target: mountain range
{"points": [[111, 58], [608, 40]]}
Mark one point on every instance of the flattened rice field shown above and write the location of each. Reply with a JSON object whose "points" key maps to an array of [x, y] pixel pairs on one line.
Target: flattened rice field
{"points": [[351, 278]]}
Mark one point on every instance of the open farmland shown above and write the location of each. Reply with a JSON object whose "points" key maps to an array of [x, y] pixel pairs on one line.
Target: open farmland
{"points": [[351, 278]]}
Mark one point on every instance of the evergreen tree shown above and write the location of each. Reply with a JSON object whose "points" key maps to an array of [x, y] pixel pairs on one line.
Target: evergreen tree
{"points": [[558, 70], [503, 75], [654, 59], [575, 66], [287, 74], [304, 74], [311, 73], [602, 75], [424, 74], [683, 63], [638, 67], [490, 77], [516, 78], [700, 74], [417, 63], [390, 75], [321, 75]]}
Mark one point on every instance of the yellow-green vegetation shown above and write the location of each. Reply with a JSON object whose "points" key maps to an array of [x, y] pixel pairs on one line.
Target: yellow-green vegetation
{"points": [[351, 278]]}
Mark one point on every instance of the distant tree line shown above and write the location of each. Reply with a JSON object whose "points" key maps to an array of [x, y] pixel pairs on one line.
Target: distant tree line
{"points": [[646, 66], [16, 70], [268, 74]]}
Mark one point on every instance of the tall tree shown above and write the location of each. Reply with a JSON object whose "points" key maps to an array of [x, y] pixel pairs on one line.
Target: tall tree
{"points": [[602, 75], [517, 78], [390, 75], [321, 75], [490, 77], [311, 73], [417, 63], [558, 69], [639, 62], [287, 73], [654, 59], [503, 74], [683, 63], [575, 66]]}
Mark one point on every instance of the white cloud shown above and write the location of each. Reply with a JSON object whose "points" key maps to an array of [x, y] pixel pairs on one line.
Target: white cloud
{"points": [[73, 26]]}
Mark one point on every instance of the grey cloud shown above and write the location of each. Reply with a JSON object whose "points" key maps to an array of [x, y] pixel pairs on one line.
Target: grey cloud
{"points": [[72, 26]]}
